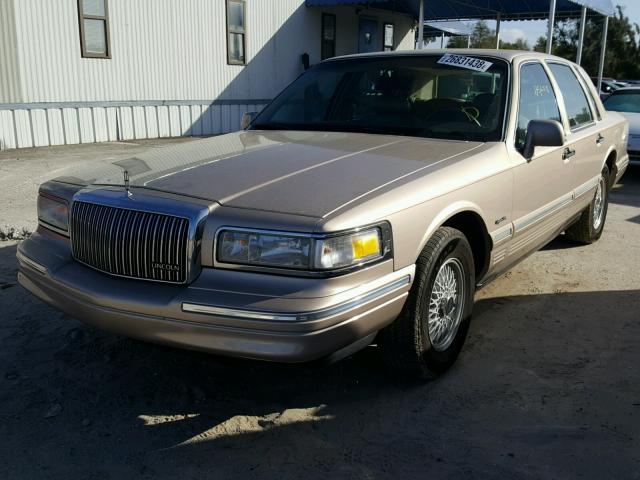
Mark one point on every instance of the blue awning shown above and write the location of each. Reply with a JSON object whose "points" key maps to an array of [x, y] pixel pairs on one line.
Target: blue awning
{"points": [[449, 28], [479, 9]]}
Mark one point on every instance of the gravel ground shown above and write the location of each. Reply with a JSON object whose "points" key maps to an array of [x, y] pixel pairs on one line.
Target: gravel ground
{"points": [[548, 386]]}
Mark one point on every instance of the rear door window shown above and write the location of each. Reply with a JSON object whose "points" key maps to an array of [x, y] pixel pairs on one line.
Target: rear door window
{"points": [[588, 84], [537, 100], [575, 100]]}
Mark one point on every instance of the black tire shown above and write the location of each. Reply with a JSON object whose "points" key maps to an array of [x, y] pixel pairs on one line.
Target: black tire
{"points": [[406, 345], [585, 229]]}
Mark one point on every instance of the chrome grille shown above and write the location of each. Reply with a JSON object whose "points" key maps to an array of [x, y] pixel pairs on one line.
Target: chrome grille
{"points": [[130, 243]]}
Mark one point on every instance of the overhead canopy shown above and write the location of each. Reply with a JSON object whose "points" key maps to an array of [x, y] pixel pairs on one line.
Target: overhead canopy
{"points": [[479, 9], [450, 29]]}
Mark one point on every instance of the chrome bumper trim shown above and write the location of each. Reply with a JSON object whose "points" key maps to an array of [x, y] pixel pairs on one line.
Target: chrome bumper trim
{"points": [[31, 263], [341, 308]]}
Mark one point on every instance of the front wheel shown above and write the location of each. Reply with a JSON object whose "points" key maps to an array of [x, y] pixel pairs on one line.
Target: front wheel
{"points": [[428, 335], [589, 227]]}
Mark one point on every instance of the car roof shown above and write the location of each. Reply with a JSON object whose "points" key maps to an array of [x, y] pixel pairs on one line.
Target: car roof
{"points": [[507, 55], [627, 90]]}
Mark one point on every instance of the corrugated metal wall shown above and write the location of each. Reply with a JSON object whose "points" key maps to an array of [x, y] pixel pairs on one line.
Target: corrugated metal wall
{"points": [[10, 88], [36, 125], [168, 75]]}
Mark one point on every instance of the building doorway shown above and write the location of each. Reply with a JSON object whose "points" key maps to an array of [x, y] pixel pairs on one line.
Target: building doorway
{"points": [[368, 36]]}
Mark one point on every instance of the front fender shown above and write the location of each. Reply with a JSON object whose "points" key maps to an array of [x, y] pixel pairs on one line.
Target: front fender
{"points": [[445, 214]]}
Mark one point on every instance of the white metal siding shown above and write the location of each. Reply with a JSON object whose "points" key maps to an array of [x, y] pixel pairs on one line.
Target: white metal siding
{"points": [[10, 89], [168, 68]]}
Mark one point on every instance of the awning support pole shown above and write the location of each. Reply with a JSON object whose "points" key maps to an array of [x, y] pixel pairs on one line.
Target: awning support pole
{"points": [[421, 25], [552, 19], [498, 30], [603, 49], [583, 22]]}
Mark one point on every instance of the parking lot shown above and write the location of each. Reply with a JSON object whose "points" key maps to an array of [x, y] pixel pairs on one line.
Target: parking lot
{"points": [[547, 386]]}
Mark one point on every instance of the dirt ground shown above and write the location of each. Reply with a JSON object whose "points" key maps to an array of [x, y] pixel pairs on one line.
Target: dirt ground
{"points": [[22, 171], [547, 386]]}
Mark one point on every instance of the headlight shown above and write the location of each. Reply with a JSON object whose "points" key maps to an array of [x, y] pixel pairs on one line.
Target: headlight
{"points": [[301, 251], [53, 212], [264, 249]]}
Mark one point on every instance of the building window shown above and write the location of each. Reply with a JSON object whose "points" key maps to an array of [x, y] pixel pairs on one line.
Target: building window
{"points": [[94, 28], [387, 45], [236, 32], [328, 46]]}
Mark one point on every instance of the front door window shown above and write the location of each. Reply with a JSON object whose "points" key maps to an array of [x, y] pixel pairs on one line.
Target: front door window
{"points": [[537, 100]]}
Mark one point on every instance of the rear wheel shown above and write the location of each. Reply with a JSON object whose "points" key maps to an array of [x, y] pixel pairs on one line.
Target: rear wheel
{"points": [[589, 227], [428, 335]]}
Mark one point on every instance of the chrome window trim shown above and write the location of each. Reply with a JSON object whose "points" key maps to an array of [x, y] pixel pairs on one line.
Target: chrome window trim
{"points": [[314, 315], [387, 245]]}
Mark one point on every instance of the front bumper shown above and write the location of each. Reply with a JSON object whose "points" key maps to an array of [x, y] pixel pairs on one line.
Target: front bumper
{"points": [[232, 313]]}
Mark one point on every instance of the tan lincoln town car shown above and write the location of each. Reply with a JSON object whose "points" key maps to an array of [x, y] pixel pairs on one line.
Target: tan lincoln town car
{"points": [[365, 204]]}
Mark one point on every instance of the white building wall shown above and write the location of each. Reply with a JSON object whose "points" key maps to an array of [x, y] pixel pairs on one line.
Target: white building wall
{"points": [[10, 88], [168, 73]]}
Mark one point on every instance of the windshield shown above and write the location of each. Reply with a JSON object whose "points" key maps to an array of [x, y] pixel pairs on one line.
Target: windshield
{"points": [[410, 95], [623, 102]]}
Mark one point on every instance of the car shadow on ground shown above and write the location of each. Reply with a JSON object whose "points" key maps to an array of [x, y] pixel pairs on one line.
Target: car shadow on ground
{"points": [[626, 191], [550, 376]]}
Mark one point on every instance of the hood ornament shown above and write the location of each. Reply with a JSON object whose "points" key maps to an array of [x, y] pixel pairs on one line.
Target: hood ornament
{"points": [[126, 183]]}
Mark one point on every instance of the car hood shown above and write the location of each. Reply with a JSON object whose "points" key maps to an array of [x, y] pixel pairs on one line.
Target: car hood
{"points": [[302, 173]]}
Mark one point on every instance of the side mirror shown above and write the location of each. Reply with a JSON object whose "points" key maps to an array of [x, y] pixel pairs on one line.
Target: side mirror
{"points": [[246, 120], [542, 133]]}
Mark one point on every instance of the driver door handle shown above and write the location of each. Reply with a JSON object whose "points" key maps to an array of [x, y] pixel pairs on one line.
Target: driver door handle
{"points": [[599, 139], [568, 153]]}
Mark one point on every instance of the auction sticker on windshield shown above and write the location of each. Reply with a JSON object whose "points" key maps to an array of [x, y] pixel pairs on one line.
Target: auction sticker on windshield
{"points": [[465, 62]]}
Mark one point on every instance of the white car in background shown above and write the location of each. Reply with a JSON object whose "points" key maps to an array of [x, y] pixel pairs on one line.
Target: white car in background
{"points": [[626, 101]]}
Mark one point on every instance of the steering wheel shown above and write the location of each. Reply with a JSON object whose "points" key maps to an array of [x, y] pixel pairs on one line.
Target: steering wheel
{"points": [[472, 113]]}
